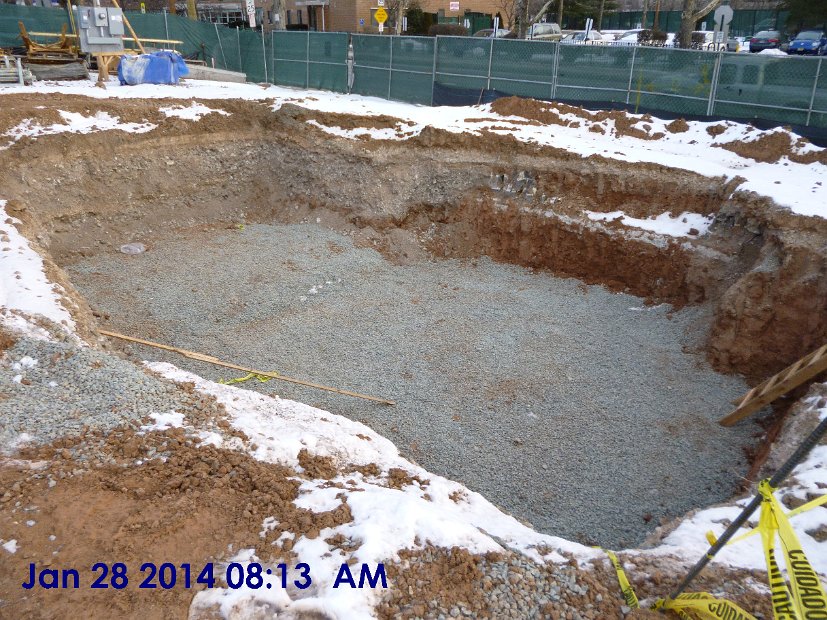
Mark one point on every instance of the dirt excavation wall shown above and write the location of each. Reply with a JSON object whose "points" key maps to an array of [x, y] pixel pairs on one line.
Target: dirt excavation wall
{"points": [[761, 270]]}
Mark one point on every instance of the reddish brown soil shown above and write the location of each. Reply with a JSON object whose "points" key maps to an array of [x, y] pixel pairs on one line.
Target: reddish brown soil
{"points": [[772, 147], [679, 125], [194, 508]]}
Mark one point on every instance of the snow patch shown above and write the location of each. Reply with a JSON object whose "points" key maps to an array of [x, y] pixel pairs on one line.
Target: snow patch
{"points": [[192, 113], [24, 287], [664, 224], [10, 546], [163, 421], [75, 122], [385, 519]]}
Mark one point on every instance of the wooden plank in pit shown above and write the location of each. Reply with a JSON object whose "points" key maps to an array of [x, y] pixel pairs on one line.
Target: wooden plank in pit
{"points": [[791, 377]]}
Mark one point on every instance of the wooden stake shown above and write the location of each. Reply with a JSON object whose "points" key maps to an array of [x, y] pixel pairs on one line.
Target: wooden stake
{"points": [[209, 359], [132, 32]]}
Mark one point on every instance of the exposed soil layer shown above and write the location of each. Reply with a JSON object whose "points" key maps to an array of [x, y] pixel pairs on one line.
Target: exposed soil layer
{"points": [[458, 195]]}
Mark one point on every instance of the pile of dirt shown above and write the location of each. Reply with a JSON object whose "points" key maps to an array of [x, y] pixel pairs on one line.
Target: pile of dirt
{"points": [[550, 114], [195, 505], [772, 147]]}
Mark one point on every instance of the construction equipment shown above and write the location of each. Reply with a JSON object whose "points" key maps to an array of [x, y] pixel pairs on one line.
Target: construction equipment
{"points": [[790, 378], [63, 50]]}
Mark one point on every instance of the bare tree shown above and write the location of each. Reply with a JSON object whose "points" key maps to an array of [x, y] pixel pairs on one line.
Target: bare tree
{"points": [[600, 15], [397, 8], [509, 9], [560, 13], [689, 17]]}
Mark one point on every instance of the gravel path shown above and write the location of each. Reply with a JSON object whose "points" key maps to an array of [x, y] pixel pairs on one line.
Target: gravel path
{"points": [[569, 406]]}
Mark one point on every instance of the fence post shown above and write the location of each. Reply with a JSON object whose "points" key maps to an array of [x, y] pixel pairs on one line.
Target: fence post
{"points": [[238, 41], [554, 75], [307, 62], [490, 58], [166, 25], [390, 66], [713, 87], [813, 94], [220, 44], [631, 75], [264, 53], [433, 69], [273, 53]]}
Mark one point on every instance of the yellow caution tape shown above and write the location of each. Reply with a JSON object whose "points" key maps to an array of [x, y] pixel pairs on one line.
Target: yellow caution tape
{"points": [[625, 587], [252, 375], [703, 605], [818, 501], [804, 598]]}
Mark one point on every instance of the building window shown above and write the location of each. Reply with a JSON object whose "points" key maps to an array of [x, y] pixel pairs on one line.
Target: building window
{"points": [[289, 17], [299, 12]]}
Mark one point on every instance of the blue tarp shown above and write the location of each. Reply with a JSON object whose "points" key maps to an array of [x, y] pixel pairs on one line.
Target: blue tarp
{"points": [[156, 68]]}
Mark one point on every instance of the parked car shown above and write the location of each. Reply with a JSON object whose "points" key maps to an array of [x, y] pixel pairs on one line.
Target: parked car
{"points": [[580, 38], [766, 40], [630, 37], [545, 32], [809, 42], [488, 33]]}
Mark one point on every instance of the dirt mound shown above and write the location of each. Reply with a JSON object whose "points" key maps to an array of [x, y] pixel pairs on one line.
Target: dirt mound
{"points": [[544, 112], [771, 147], [679, 125], [196, 506]]}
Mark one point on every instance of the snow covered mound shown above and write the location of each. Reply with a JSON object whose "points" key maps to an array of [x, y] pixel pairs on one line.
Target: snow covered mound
{"points": [[792, 182]]}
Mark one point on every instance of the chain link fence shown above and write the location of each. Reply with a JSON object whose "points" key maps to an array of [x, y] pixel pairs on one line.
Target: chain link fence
{"points": [[466, 70]]}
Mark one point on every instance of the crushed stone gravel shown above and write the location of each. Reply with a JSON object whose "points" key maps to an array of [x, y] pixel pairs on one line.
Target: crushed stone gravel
{"points": [[571, 407], [50, 390]]}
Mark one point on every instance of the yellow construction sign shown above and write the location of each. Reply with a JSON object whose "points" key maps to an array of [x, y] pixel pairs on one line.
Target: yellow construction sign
{"points": [[381, 15]]}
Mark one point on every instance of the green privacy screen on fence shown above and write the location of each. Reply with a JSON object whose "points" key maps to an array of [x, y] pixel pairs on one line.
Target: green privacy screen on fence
{"points": [[680, 82], [311, 60], [398, 68]]}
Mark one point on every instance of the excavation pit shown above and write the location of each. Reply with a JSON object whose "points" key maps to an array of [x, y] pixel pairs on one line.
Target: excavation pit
{"points": [[570, 406], [570, 369]]}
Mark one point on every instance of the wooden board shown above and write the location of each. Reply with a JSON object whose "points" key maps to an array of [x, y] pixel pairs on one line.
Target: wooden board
{"points": [[791, 377]]}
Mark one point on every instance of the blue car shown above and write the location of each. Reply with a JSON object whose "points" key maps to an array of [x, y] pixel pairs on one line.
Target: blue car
{"points": [[809, 42]]}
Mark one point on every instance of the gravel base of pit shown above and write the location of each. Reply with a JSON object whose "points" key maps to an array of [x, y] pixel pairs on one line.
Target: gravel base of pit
{"points": [[50, 390], [569, 406]]}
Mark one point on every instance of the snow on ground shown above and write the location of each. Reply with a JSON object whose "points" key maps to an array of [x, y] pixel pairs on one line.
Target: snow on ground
{"points": [[664, 224], [800, 187], [9, 545], [24, 287], [688, 540], [437, 511], [192, 113], [75, 122]]}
